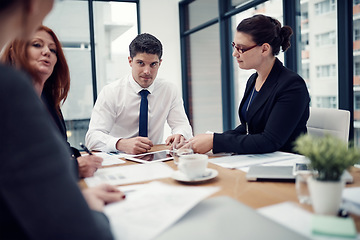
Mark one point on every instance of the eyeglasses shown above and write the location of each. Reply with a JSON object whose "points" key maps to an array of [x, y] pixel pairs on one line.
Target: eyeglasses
{"points": [[242, 50]]}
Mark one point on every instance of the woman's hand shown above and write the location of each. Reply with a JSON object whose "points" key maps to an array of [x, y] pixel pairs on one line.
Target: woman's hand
{"points": [[201, 143]]}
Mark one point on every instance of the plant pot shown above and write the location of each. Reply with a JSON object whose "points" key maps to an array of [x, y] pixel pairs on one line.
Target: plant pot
{"points": [[325, 196]]}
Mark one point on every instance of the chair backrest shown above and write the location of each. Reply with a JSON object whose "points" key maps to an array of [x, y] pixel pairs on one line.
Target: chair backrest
{"points": [[329, 120]]}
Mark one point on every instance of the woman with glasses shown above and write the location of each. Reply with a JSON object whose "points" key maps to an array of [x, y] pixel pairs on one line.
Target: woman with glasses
{"points": [[275, 106]]}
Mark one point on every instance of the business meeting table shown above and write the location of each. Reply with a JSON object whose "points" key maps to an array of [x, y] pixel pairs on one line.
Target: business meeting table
{"points": [[233, 184]]}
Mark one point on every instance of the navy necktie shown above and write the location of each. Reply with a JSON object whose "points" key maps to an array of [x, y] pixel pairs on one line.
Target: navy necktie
{"points": [[143, 118]]}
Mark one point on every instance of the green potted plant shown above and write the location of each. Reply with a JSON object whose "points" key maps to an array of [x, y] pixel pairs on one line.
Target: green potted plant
{"points": [[329, 157]]}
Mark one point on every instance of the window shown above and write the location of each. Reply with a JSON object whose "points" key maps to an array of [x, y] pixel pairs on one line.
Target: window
{"points": [[115, 22], [319, 52], [304, 16], [271, 8], [325, 7], [357, 102], [205, 80], [238, 3], [356, 77], [304, 41], [201, 11], [305, 74], [356, 30], [325, 39], [116, 26], [326, 102], [326, 71], [357, 68]]}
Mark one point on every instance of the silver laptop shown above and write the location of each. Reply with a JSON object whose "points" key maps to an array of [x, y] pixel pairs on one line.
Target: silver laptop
{"points": [[280, 173]]}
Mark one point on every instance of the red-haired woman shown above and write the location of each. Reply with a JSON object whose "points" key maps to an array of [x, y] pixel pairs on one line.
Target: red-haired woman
{"points": [[43, 58]]}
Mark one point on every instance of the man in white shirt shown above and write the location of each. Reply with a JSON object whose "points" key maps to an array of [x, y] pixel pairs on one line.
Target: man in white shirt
{"points": [[114, 124]]}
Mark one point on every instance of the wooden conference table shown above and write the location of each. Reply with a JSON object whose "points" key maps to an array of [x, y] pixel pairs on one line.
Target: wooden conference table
{"points": [[233, 184]]}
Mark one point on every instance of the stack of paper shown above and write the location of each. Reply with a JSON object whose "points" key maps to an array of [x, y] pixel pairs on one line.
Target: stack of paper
{"points": [[247, 160]]}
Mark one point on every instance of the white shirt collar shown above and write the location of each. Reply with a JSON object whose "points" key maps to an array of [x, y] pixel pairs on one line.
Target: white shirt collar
{"points": [[137, 88]]}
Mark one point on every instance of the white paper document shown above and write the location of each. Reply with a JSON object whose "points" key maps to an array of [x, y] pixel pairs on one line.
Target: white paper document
{"points": [[150, 209], [129, 174], [247, 160], [108, 158], [294, 217]]}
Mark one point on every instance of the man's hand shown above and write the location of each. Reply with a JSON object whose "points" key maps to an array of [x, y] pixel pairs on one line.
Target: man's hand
{"points": [[134, 145], [97, 197], [176, 141], [201, 143], [88, 165]]}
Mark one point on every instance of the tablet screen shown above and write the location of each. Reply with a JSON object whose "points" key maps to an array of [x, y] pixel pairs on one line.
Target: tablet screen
{"points": [[154, 156]]}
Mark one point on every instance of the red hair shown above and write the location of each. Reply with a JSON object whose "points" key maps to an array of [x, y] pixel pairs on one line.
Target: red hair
{"points": [[58, 84]]}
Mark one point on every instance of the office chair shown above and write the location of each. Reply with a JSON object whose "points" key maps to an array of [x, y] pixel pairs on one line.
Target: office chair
{"points": [[329, 120]]}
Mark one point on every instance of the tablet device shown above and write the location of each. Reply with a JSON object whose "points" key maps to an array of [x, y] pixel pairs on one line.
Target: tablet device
{"points": [[158, 156]]}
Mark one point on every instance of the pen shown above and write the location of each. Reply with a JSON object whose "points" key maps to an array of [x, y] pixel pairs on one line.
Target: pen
{"points": [[85, 149]]}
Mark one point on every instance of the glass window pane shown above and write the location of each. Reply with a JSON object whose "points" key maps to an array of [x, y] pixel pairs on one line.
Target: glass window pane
{"points": [[356, 80], [115, 27], [205, 80], [201, 11], [271, 8], [239, 3], [75, 39], [319, 55]]}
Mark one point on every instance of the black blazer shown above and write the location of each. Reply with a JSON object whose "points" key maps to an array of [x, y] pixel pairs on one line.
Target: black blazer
{"points": [[39, 196], [58, 119], [276, 117], [60, 123]]}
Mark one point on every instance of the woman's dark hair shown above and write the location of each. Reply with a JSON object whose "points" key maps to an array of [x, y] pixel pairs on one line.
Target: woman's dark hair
{"points": [[264, 29], [145, 43]]}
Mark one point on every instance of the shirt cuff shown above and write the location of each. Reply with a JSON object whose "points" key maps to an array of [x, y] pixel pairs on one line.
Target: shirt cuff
{"points": [[111, 144]]}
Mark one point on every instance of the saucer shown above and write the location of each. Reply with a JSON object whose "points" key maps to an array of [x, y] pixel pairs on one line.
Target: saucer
{"points": [[208, 174]]}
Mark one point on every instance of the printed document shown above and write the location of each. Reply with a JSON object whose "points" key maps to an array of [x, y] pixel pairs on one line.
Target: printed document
{"points": [[150, 209], [129, 174], [109, 159], [292, 216]]}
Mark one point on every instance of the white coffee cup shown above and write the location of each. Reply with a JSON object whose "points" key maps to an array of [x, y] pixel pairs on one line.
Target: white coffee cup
{"points": [[193, 165]]}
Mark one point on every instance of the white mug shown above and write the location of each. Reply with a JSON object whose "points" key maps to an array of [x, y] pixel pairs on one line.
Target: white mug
{"points": [[193, 165]]}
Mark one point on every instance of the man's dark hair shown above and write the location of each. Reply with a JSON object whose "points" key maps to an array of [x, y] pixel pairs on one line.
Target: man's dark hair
{"points": [[145, 43]]}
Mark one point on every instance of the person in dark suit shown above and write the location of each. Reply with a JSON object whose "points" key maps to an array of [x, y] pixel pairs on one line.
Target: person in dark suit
{"points": [[275, 107], [39, 195], [42, 57]]}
